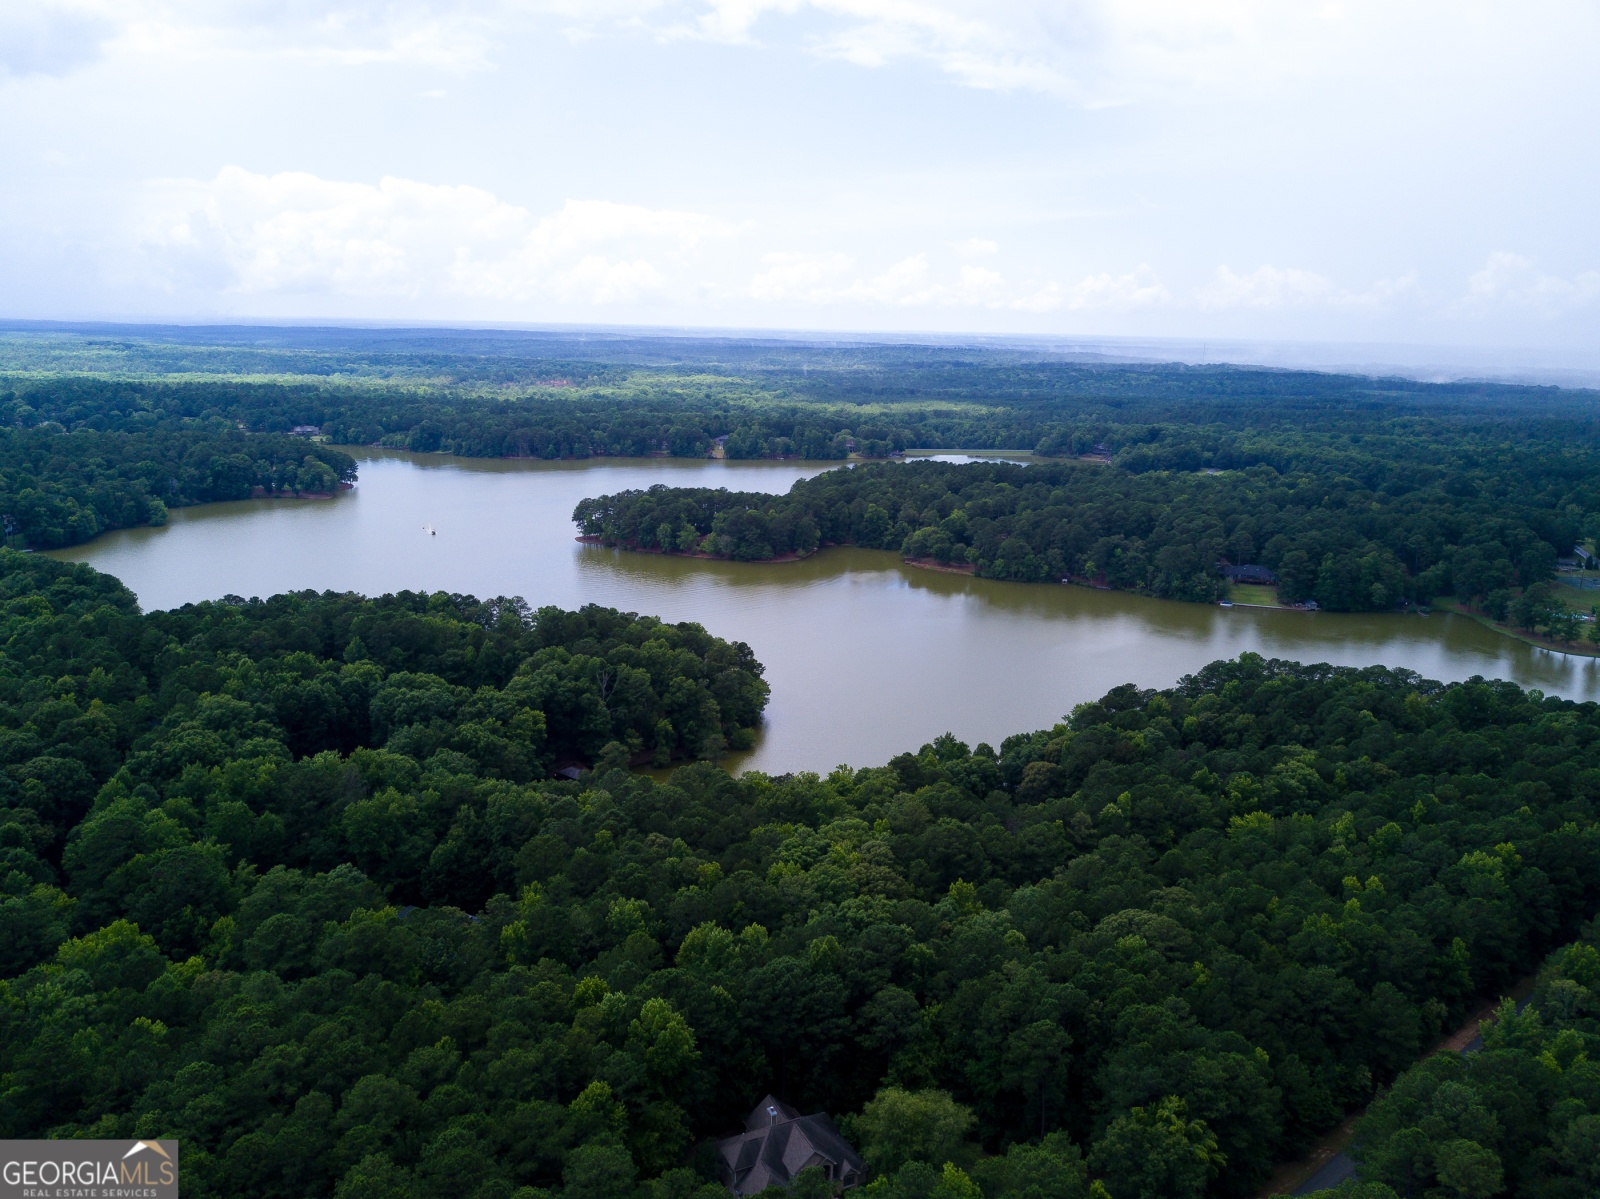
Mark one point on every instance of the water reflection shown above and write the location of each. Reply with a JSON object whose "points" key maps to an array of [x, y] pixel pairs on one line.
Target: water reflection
{"points": [[866, 656]]}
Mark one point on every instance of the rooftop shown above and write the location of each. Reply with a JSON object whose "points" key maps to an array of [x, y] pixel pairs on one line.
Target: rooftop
{"points": [[778, 1142]]}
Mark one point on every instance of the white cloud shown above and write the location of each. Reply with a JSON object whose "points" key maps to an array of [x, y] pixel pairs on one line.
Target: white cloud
{"points": [[1266, 287], [296, 233], [597, 280], [995, 44], [906, 282], [48, 38], [441, 248], [1271, 288], [450, 34], [1003, 44], [789, 274], [1513, 281], [449, 249], [1404, 287], [1119, 293], [911, 282], [1095, 52], [1092, 50], [990, 46]]}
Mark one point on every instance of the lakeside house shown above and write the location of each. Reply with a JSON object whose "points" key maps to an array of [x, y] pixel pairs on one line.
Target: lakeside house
{"points": [[778, 1142], [1247, 574]]}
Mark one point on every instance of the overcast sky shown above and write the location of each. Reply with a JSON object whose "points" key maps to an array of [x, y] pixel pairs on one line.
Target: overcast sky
{"points": [[1380, 170]]}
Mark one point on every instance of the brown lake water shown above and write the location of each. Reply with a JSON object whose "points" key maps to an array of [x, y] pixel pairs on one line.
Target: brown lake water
{"points": [[867, 657]]}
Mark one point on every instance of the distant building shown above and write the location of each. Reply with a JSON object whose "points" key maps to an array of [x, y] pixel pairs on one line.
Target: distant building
{"points": [[1246, 574], [306, 430], [778, 1142], [1584, 559]]}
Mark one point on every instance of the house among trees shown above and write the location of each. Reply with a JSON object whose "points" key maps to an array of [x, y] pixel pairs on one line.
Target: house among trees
{"points": [[1247, 574], [778, 1142]]}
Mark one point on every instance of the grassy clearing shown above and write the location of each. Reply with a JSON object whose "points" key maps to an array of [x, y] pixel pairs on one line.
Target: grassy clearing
{"points": [[1581, 598], [1259, 594]]}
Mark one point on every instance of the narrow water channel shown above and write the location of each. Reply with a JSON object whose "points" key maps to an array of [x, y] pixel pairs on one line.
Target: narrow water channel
{"points": [[867, 657]]}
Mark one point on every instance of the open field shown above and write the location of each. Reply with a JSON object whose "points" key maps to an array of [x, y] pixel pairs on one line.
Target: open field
{"points": [[1259, 594]]}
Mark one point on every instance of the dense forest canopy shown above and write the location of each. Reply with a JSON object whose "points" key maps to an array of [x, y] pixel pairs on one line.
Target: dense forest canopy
{"points": [[1522, 1117], [1330, 538], [289, 880], [59, 488], [586, 398]]}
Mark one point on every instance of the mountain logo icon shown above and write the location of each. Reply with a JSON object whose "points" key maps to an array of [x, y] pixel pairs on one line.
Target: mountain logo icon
{"points": [[151, 1145]]}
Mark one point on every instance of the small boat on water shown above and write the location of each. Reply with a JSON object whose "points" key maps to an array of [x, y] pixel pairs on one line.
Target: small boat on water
{"points": [[1227, 603]]}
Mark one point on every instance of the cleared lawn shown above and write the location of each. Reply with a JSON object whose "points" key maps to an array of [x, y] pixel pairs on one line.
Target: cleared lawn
{"points": [[1254, 593]]}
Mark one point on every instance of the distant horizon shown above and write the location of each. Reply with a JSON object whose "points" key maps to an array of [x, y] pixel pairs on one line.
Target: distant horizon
{"points": [[1562, 366]]}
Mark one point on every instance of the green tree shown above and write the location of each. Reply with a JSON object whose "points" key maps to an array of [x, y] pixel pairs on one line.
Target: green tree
{"points": [[1562, 622], [1577, 1150], [1157, 1153], [1052, 1169], [898, 1126], [1467, 1169], [955, 1184], [598, 1171], [375, 1177]]}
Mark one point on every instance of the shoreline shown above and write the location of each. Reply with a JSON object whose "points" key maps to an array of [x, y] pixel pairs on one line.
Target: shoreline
{"points": [[261, 493], [1575, 649], [588, 539], [1443, 604], [920, 563], [912, 454], [949, 568], [256, 493]]}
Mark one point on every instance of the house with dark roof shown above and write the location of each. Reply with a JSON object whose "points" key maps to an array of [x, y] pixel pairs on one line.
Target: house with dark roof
{"points": [[1249, 573], [778, 1142]]}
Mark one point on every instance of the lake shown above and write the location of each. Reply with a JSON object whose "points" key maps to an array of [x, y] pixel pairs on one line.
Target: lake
{"points": [[867, 657]]}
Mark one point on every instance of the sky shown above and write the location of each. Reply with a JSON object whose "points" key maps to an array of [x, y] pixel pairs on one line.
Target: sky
{"points": [[1379, 171]]}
